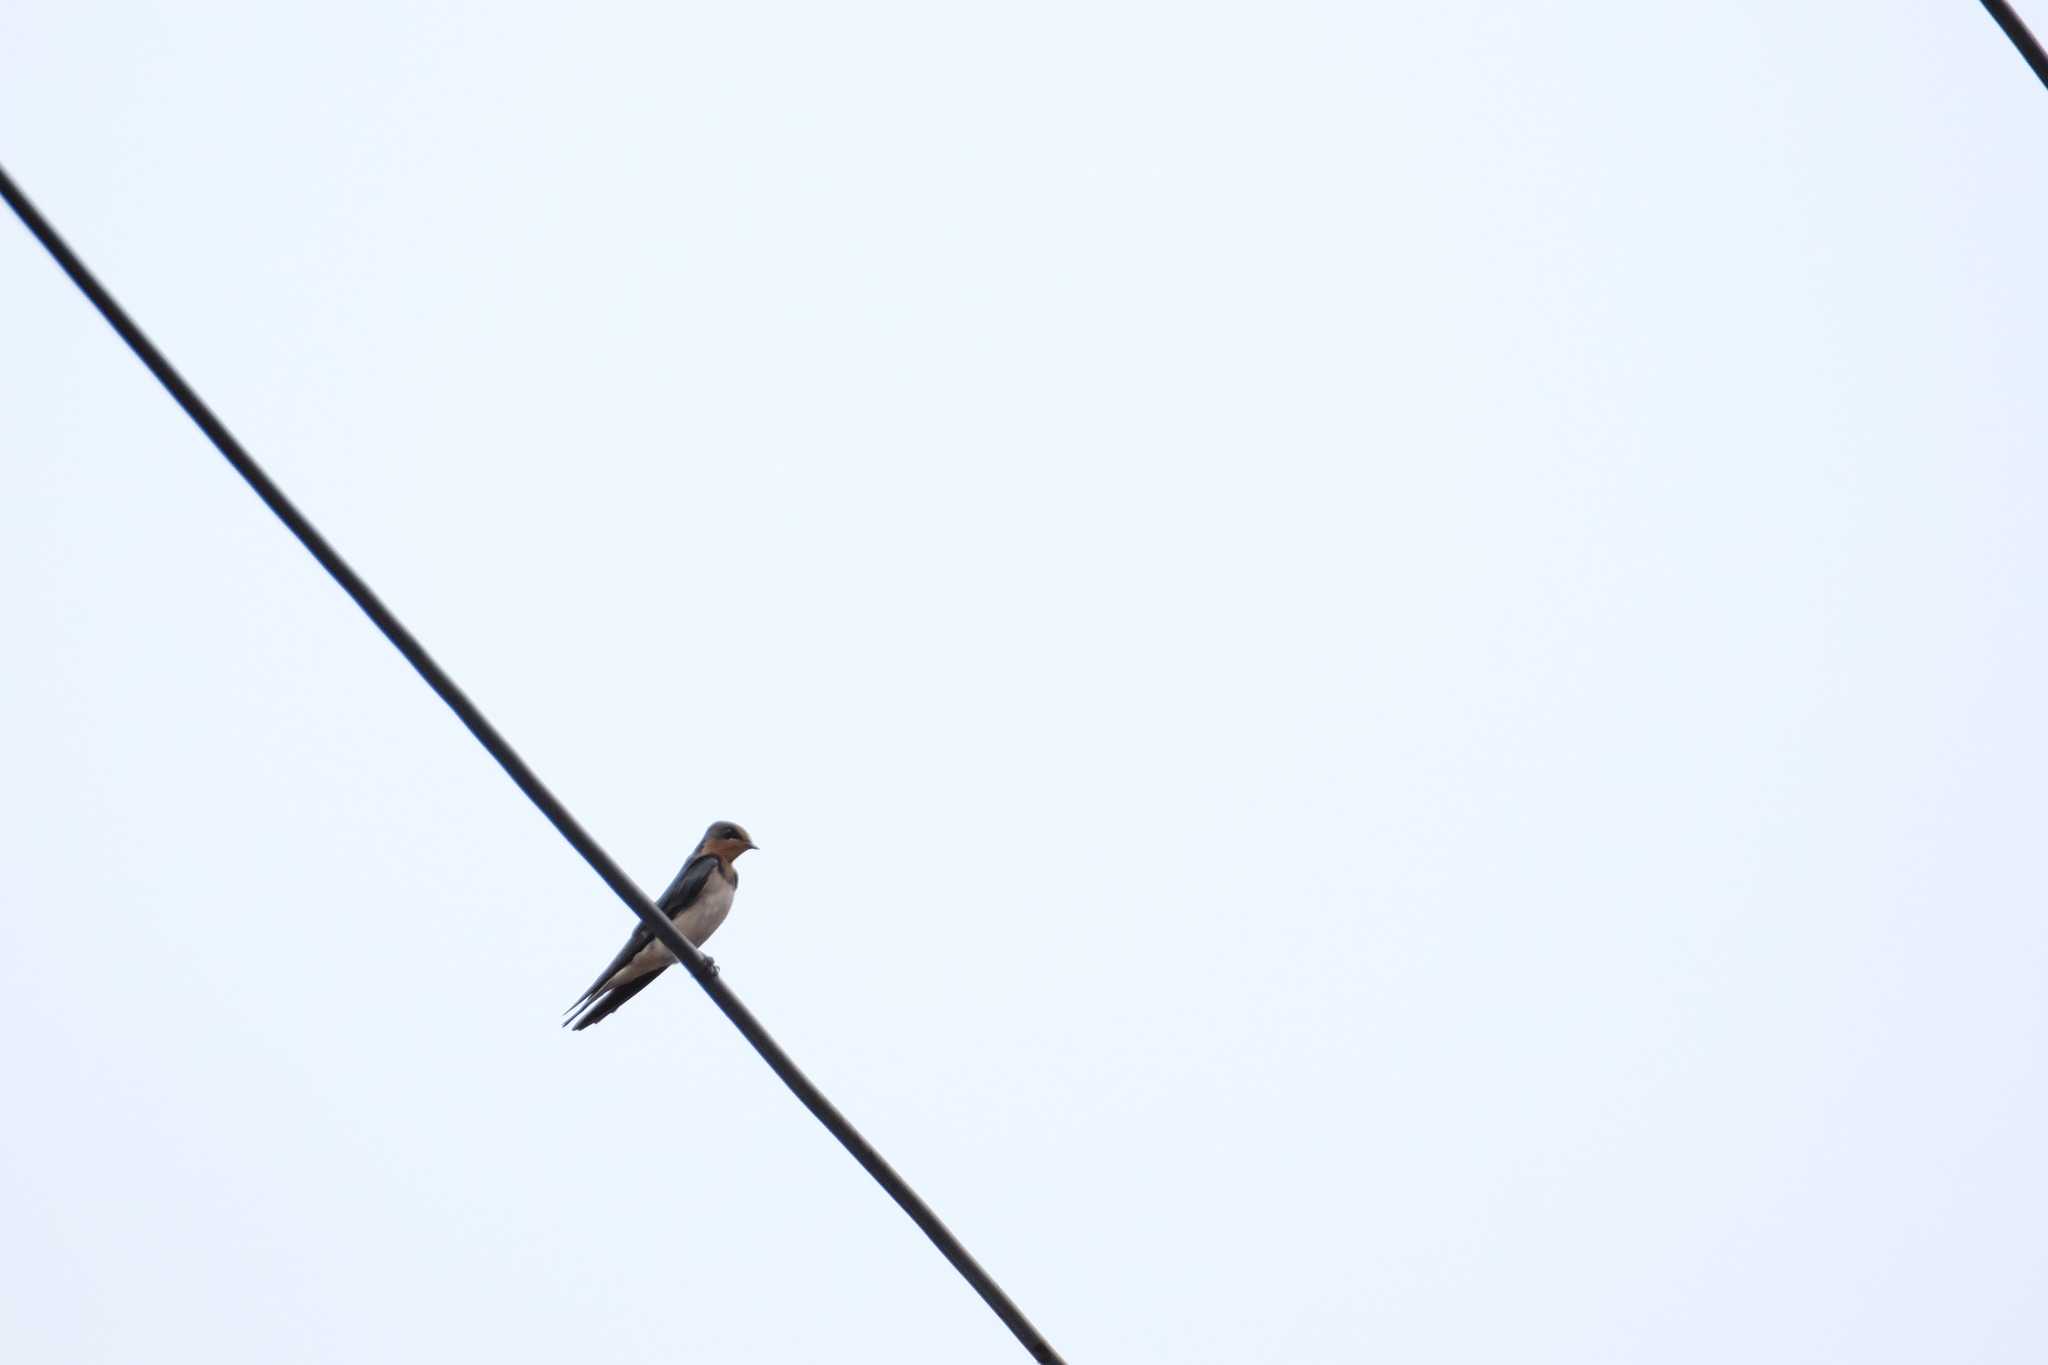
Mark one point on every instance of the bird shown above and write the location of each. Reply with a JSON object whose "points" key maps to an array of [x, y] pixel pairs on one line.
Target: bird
{"points": [[696, 902]]}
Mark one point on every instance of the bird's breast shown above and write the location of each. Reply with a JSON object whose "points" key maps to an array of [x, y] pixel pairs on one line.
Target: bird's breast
{"points": [[701, 920]]}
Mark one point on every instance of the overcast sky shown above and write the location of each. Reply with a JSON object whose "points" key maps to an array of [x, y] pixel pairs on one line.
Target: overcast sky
{"points": [[1388, 661]]}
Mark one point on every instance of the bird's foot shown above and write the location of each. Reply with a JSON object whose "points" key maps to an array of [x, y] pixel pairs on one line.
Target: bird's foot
{"points": [[710, 965]]}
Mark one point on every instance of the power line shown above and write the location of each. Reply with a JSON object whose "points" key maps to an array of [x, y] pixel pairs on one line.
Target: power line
{"points": [[2023, 39], [536, 791]]}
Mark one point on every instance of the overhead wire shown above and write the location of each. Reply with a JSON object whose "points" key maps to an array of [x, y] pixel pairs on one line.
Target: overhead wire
{"points": [[697, 964], [2022, 37]]}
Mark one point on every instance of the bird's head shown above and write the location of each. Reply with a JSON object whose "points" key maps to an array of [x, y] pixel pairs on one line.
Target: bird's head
{"points": [[726, 840]]}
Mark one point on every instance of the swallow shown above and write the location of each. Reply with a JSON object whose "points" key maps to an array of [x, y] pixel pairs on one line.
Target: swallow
{"points": [[696, 902]]}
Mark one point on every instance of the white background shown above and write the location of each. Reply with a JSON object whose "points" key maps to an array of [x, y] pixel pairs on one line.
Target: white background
{"points": [[1388, 660]]}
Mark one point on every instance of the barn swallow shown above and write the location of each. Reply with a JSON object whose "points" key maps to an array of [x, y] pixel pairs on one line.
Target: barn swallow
{"points": [[696, 902]]}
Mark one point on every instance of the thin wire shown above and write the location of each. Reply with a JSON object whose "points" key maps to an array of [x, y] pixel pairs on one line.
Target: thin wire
{"points": [[515, 767], [2023, 39]]}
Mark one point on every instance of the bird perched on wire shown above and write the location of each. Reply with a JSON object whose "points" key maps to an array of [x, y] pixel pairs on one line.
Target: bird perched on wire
{"points": [[696, 902]]}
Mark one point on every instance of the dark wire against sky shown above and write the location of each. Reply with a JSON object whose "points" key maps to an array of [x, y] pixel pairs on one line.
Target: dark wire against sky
{"points": [[527, 780]]}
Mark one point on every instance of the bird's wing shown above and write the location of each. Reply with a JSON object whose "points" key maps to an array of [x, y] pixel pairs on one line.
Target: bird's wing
{"points": [[685, 888], [688, 885]]}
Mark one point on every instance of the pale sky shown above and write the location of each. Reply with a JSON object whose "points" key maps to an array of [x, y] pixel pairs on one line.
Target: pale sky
{"points": [[1388, 661]]}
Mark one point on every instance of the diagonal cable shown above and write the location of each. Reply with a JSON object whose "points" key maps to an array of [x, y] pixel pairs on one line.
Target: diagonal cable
{"points": [[536, 791], [2022, 38]]}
